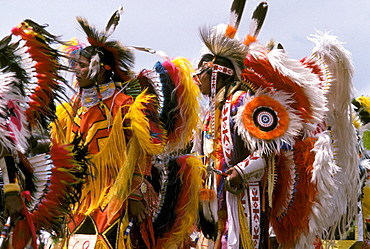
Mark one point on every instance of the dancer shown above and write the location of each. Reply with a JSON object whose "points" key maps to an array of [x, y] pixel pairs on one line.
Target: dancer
{"points": [[117, 114], [274, 143]]}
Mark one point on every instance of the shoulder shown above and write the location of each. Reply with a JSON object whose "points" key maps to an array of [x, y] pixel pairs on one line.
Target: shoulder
{"points": [[119, 98]]}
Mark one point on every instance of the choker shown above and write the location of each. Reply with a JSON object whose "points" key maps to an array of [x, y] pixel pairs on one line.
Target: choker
{"points": [[89, 96]]}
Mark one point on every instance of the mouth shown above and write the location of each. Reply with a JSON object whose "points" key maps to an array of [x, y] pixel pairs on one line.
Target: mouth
{"points": [[196, 80]]}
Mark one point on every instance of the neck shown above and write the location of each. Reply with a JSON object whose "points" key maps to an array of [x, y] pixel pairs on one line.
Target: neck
{"points": [[90, 96]]}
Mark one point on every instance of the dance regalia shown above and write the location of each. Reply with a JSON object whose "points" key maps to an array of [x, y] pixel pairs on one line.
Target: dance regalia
{"points": [[105, 130], [30, 84], [227, 149], [276, 130]]}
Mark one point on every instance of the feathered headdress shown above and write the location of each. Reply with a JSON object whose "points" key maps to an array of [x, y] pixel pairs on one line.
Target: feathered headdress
{"points": [[216, 43], [123, 58]]}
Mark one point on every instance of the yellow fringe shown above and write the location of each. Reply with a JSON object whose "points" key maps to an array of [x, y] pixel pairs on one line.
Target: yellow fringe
{"points": [[139, 147], [271, 178], [61, 130], [189, 108], [245, 235], [104, 168]]}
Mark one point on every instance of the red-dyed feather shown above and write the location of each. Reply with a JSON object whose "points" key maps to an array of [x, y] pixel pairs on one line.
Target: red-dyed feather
{"points": [[288, 227], [261, 74]]}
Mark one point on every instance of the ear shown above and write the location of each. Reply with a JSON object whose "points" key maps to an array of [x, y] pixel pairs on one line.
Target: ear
{"points": [[101, 75], [102, 72]]}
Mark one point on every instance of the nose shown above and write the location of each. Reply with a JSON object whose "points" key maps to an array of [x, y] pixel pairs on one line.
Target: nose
{"points": [[77, 69]]}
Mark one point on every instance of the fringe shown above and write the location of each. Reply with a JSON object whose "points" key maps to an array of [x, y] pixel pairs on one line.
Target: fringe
{"points": [[104, 168], [139, 147], [187, 204], [245, 236]]}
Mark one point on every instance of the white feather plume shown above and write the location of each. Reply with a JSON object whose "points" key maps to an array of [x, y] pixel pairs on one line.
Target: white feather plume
{"points": [[335, 208], [94, 66], [267, 146]]}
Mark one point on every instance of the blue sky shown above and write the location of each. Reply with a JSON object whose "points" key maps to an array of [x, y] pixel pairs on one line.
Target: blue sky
{"points": [[172, 26]]}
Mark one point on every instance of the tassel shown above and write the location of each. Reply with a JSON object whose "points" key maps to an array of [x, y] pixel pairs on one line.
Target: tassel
{"points": [[207, 194]]}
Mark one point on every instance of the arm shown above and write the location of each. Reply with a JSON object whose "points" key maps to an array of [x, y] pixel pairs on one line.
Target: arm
{"points": [[13, 202], [249, 170]]}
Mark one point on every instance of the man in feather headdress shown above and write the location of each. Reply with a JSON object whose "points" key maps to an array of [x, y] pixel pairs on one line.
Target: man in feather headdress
{"points": [[271, 144], [121, 132], [116, 114]]}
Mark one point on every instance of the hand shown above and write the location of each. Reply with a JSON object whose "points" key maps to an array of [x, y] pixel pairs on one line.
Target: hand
{"points": [[13, 207], [234, 177], [137, 211]]}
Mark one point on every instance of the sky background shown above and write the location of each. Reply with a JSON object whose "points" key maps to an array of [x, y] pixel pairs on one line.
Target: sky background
{"points": [[173, 26]]}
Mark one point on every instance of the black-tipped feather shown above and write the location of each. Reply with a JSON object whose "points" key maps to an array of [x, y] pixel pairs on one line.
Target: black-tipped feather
{"points": [[236, 12], [209, 229], [113, 21], [258, 19]]}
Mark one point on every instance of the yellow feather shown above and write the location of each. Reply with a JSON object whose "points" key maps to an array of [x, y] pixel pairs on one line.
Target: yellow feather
{"points": [[364, 102], [140, 123], [61, 130], [189, 106]]}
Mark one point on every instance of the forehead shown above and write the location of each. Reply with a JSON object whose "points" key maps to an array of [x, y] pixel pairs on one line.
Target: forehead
{"points": [[83, 59]]}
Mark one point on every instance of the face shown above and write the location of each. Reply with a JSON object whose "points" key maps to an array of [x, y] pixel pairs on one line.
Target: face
{"points": [[205, 80], [82, 70]]}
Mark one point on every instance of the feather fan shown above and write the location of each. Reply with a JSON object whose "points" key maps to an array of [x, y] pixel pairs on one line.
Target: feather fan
{"points": [[294, 194], [63, 184], [37, 40], [276, 71]]}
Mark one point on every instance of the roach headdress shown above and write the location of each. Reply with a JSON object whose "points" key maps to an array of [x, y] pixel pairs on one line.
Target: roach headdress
{"points": [[108, 54]]}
